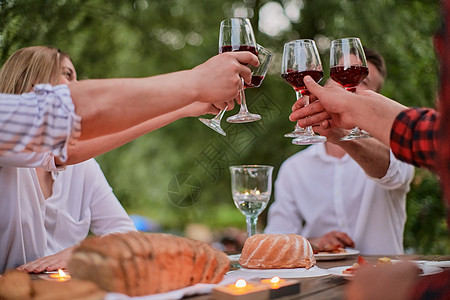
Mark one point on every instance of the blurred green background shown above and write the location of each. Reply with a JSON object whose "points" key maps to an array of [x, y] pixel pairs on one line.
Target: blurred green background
{"points": [[179, 174]]}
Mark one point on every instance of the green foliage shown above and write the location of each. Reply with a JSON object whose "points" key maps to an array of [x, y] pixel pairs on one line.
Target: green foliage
{"points": [[137, 38]]}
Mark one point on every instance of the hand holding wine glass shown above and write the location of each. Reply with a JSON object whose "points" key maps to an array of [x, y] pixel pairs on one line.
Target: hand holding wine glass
{"points": [[348, 67], [251, 187], [236, 34], [300, 59]]}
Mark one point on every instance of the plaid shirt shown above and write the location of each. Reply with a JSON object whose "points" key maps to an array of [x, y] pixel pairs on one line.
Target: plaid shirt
{"points": [[414, 137]]}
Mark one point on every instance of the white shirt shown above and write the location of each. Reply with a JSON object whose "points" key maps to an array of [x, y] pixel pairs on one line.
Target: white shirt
{"points": [[316, 193], [44, 120], [32, 227]]}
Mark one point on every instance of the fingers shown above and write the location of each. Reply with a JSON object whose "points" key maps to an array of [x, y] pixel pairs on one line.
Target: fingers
{"points": [[312, 86], [32, 267], [230, 104], [245, 57], [306, 111], [344, 239], [246, 74]]}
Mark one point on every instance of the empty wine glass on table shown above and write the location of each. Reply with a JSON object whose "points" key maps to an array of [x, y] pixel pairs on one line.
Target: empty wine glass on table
{"points": [[300, 59], [251, 187], [258, 75], [348, 67]]}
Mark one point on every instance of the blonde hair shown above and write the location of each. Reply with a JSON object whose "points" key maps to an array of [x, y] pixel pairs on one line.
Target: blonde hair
{"points": [[30, 66]]}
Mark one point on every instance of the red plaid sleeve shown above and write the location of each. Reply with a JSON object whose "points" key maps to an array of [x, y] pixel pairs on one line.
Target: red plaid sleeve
{"points": [[433, 287], [414, 137]]}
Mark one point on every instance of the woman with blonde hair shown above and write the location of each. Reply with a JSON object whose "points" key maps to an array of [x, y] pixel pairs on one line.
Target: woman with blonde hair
{"points": [[47, 209]]}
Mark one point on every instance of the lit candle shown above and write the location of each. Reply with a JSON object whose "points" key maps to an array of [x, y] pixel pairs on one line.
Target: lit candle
{"points": [[274, 282], [281, 287], [60, 276], [241, 290]]}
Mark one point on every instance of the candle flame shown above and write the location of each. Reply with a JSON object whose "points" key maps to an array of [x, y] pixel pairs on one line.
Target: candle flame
{"points": [[61, 275], [240, 283], [246, 193], [257, 192], [275, 279]]}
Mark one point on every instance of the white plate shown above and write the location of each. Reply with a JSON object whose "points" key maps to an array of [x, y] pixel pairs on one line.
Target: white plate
{"points": [[333, 256], [427, 270], [234, 259], [282, 273]]}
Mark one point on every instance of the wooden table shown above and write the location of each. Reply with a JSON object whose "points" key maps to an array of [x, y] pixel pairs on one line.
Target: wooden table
{"points": [[332, 287]]}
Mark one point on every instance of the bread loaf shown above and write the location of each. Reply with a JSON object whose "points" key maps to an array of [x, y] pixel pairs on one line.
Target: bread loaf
{"points": [[277, 251], [138, 264]]}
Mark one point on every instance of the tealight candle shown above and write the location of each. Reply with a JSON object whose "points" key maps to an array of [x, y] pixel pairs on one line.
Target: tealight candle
{"points": [[281, 287], [241, 290], [60, 276]]}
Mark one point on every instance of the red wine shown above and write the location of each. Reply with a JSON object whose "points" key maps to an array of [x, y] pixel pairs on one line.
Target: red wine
{"points": [[349, 77], [256, 80], [229, 48], [295, 78]]}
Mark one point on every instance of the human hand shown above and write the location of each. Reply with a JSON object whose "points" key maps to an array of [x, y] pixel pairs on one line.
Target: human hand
{"points": [[200, 108], [393, 281], [218, 79], [331, 240], [333, 103], [53, 262]]}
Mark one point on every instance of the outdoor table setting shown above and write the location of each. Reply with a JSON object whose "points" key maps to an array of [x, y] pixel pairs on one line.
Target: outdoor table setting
{"points": [[324, 281]]}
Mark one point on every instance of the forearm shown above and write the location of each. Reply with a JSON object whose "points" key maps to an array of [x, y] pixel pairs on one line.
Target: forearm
{"points": [[87, 149], [109, 106], [376, 115], [370, 154]]}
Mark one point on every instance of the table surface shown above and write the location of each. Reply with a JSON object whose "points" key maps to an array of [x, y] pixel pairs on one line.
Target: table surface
{"points": [[332, 287]]}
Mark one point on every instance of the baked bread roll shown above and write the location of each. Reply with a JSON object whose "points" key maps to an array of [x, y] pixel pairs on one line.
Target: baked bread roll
{"points": [[138, 264], [277, 251]]}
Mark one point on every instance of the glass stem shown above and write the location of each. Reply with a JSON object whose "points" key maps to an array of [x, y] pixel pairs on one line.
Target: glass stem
{"points": [[251, 225], [299, 95], [219, 116], [242, 96]]}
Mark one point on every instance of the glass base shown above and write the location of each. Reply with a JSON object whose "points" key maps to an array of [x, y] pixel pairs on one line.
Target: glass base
{"points": [[356, 134], [243, 118], [296, 133], [214, 125], [309, 139]]}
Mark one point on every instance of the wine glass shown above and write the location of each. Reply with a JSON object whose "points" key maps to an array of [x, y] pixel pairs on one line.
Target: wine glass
{"points": [[236, 34], [258, 75], [348, 67], [251, 186], [301, 58]]}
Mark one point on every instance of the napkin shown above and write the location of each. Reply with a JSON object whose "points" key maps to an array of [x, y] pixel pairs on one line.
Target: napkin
{"points": [[198, 289]]}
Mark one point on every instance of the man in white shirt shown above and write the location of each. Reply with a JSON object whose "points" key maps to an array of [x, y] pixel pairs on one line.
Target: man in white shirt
{"points": [[94, 108], [347, 194]]}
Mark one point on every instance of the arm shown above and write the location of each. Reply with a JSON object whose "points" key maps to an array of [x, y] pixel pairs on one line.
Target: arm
{"points": [[83, 150], [337, 107], [47, 121], [371, 155], [112, 105]]}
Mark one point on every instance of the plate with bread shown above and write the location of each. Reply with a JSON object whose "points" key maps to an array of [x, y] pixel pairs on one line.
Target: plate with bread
{"points": [[283, 255], [336, 254]]}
